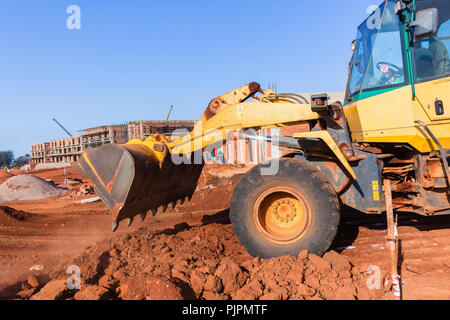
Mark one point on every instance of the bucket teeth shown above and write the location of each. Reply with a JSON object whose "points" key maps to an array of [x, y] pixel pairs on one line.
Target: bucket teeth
{"points": [[130, 221], [190, 198], [174, 204], [115, 225], [154, 211], [165, 207], [143, 216], [182, 201]]}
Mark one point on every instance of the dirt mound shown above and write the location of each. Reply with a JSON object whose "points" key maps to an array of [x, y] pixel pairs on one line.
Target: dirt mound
{"points": [[209, 262], [27, 187], [12, 217]]}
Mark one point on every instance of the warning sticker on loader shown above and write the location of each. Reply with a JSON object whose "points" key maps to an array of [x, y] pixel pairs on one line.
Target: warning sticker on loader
{"points": [[376, 190]]}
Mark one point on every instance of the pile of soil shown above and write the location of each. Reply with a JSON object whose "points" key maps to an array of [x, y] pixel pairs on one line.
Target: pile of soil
{"points": [[27, 187], [204, 262], [12, 217]]}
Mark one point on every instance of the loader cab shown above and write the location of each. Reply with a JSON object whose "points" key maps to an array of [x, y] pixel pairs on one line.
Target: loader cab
{"points": [[380, 60], [400, 73]]}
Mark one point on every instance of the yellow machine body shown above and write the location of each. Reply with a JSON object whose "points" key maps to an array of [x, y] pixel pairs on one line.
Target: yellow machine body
{"points": [[390, 117]]}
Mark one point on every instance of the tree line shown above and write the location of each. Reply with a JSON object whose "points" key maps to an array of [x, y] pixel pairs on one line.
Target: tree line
{"points": [[8, 160]]}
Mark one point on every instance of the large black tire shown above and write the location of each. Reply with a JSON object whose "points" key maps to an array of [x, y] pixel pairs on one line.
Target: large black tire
{"points": [[317, 193]]}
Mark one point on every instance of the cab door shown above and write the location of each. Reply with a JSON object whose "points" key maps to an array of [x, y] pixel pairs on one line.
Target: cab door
{"points": [[431, 59]]}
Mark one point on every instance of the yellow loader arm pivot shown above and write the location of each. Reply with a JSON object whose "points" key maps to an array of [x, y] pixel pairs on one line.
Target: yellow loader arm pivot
{"points": [[142, 175]]}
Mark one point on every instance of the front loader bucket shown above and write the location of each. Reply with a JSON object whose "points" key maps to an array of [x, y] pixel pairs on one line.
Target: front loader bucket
{"points": [[130, 180]]}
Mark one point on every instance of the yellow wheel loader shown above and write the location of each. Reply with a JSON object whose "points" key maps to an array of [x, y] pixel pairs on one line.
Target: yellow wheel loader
{"points": [[392, 130]]}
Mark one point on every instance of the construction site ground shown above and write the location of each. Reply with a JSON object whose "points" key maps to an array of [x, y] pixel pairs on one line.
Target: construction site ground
{"points": [[194, 248]]}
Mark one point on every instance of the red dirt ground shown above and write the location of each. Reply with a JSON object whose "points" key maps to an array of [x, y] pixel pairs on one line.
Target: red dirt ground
{"points": [[4, 176], [193, 247]]}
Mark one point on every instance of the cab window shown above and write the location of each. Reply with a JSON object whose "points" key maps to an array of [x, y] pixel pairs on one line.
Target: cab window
{"points": [[431, 55], [379, 55]]}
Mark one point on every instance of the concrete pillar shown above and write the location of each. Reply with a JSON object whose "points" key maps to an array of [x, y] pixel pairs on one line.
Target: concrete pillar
{"points": [[241, 148], [263, 146], [276, 152], [253, 149], [231, 152], [112, 135]]}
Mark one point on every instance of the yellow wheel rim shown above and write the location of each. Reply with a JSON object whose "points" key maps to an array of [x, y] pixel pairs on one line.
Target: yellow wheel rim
{"points": [[281, 215]]}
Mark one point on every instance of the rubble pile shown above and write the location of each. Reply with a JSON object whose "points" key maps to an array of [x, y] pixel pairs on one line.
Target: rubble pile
{"points": [[205, 263]]}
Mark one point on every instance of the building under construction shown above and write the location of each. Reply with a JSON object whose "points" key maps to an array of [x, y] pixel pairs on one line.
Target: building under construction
{"points": [[69, 149], [143, 129]]}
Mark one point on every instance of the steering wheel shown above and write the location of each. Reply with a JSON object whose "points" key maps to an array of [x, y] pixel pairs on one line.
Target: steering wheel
{"points": [[394, 70]]}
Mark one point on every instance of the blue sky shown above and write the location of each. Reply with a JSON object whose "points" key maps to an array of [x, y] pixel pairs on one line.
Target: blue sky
{"points": [[132, 59]]}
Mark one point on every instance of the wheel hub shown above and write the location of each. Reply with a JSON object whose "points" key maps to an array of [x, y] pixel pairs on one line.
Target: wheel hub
{"points": [[281, 214], [284, 211]]}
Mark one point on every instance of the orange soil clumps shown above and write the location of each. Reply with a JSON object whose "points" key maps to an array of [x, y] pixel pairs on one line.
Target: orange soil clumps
{"points": [[208, 263]]}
